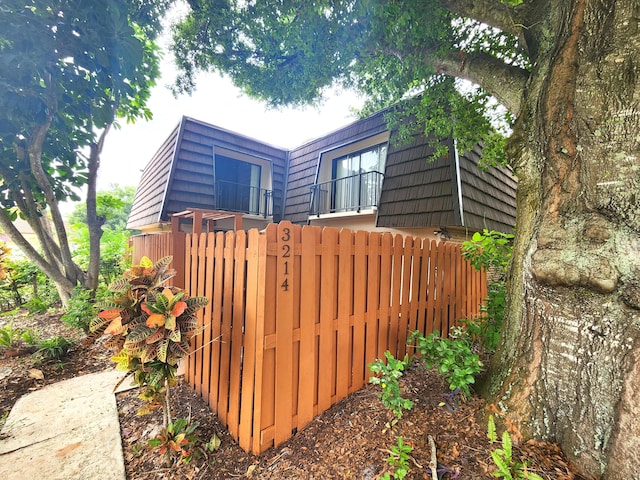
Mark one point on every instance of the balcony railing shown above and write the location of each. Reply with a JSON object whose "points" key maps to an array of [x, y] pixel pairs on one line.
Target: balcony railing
{"points": [[237, 197], [348, 194]]}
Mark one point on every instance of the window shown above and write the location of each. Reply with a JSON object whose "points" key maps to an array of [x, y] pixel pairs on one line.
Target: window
{"points": [[241, 185], [350, 178], [357, 179]]}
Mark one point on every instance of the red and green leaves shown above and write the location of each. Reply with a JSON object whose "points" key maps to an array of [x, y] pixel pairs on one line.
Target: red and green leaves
{"points": [[150, 326]]}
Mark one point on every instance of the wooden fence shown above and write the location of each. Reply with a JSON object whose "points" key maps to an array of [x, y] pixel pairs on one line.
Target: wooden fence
{"points": [[297, 313], [159, 245]]}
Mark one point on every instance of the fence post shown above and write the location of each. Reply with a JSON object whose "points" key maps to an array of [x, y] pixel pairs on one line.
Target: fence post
{"points": [[179, 261]]}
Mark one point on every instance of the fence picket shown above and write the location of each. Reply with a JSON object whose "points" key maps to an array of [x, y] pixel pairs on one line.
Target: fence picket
{"points": [[376, 314], [309, 306], [328, 292], [360, 287], [248, 367], [216, 319], [237, 328]]}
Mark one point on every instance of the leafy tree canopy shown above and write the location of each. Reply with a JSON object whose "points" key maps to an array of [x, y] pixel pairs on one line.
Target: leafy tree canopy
{"points": [[289, 52], [68, 70], [113, 204]]}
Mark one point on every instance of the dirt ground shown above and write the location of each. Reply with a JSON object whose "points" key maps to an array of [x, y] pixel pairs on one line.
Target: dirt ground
{"points": [[352, 440]]}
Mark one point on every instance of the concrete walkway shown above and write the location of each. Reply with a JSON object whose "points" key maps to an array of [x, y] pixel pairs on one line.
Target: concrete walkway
{"points": [[65, 431]]}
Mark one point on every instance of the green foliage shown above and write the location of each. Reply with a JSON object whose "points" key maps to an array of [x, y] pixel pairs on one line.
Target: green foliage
{"points": [[150, 327], [492, 435], [68, 71], [9, 335], [113, 204], [452, 357], [489, 251], [388, 51], [30, 336], [37, 305], [80, 310], [54, 348], [178, 439], [508, 467], [399, 460], [26, 285], [387, 377]]}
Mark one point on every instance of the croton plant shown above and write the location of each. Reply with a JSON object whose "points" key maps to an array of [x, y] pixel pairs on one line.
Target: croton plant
{"points": [[149, 327]]}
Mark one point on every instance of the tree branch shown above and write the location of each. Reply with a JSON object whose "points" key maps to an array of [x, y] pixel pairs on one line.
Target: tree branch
{"points": [[94, 222], [505, 82], [494, 13], [35, 162]]}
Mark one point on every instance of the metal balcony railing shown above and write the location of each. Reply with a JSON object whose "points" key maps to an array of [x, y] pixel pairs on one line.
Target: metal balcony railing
{"points": [[237, 197], [347, 194]]}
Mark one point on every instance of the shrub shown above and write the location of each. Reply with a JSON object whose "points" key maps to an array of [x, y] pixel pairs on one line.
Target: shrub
{"points": [[150, 327], [388, 375], [9, 335], [452, 357], [489, 251], [80, 310], [177, 439], [54, 348], [399, 460]]}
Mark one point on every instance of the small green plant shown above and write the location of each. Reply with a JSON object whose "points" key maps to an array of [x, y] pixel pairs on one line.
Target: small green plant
{"points": [[9, 335], [387, 377], [399, 460], [492, 434], [178, 439], [80, 310], [507, 466], [30, 336], [54, 348], [36, 305], [452, 357]]}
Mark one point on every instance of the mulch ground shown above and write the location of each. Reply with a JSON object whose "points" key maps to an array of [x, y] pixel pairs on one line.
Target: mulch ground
{"points": [[352, 440]]}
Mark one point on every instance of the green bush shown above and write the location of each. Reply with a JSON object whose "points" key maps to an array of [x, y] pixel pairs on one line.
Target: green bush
{"points": [[388, 375], [80, 310], [54, 348], [9, 335], [452, 357], [489, 251]]}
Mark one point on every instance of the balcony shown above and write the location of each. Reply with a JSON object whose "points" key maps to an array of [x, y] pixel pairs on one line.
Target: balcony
{"points": [[237, 197], [348, 194]]}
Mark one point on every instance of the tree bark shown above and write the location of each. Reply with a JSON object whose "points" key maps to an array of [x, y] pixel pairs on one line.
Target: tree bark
{"points": [[94, 222], [568, 367]]}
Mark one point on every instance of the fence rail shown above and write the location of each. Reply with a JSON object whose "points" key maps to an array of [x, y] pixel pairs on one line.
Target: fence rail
{"points": [[297, 313]]}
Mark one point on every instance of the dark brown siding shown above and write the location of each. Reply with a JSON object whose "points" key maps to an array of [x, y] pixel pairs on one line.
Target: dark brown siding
{"points": [[303, 163], [488, 198], [189, 184], [417, 191], [151, 190]]}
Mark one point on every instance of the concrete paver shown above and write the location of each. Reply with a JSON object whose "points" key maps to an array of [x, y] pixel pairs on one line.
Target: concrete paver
{"points": [[65, 431]]}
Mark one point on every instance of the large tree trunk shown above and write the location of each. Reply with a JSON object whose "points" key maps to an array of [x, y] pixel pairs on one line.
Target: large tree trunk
{"points": [[568, 367]]}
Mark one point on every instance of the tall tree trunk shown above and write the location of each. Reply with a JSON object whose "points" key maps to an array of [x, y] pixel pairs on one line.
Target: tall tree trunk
{"points": [[94, 222], [568, 367]]}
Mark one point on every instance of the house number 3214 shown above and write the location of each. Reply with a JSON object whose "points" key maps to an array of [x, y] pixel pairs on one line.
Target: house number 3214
{"points": [[285, 253]]}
